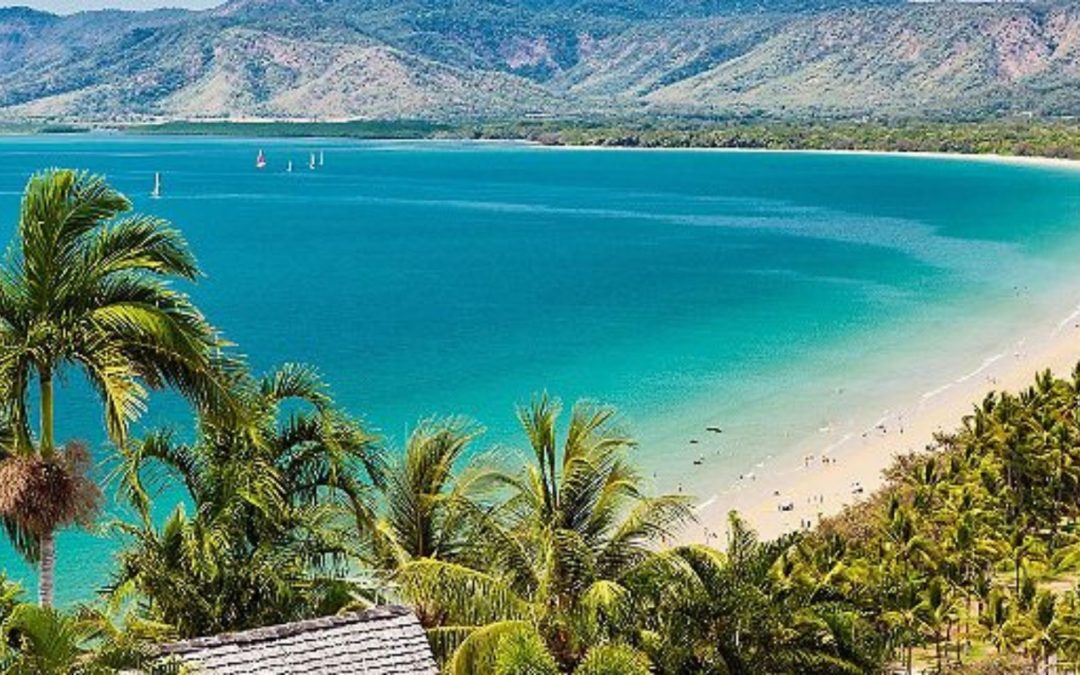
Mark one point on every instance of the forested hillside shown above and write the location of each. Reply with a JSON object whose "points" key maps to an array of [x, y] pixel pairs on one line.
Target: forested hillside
{"points": [[466, 59]]}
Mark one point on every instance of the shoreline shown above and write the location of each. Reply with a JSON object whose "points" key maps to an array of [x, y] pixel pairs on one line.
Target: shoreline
{"points": [[814, 489], [782, 468], [1044, 161], [995, 158], [817, 477]]}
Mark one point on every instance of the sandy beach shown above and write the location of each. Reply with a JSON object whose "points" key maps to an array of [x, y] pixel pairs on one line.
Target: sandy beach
{"points": [[1021, 160], [814, 477], [818, 476]]}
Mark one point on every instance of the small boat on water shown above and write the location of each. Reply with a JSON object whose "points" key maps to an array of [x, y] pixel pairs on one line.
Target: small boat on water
{"points": [[260, 161], [322, 158], [311, 162], [288, 168], [156, 192]]}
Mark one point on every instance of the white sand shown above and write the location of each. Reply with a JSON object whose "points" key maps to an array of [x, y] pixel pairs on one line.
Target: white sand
{"points": [[819, 488], [814, 488]]}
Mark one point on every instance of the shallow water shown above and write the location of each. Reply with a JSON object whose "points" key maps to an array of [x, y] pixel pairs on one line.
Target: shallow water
{"points": [[749, 290]]}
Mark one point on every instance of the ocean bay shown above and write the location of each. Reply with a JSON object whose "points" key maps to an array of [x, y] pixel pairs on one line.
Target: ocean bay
{"points": [[684, 287]]}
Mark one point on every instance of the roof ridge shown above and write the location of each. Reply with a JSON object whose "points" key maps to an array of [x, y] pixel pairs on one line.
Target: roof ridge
{"points": [[282, 630]]}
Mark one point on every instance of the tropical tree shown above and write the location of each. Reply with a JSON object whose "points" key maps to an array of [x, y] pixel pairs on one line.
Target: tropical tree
{"points": [[555, 553], [1051, 627], [86, 285], [275, 499], [613, 659], [756, 607], [523, 652], [432, 496], [45, 641]]}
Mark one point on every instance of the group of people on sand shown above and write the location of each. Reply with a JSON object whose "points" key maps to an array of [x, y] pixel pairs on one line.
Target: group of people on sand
{"points": [[825, 460]]}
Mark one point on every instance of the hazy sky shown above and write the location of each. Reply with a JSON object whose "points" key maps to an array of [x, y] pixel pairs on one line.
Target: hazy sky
{"points": [[69, 6]]}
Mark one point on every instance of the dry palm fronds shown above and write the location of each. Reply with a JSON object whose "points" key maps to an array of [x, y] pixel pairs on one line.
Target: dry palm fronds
{"points": [[42, 494]]}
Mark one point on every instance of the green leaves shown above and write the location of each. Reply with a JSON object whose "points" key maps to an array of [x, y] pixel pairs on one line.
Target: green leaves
{"points": [[83, 287], [429, 511], [141, 243], [43, 641], [522, 652], [457, 595], [613, 659], [273, 502], [504, 648], [544, 550]]}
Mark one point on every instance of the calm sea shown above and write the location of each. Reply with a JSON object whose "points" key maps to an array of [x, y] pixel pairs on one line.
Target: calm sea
{"points": [[689, 288]]}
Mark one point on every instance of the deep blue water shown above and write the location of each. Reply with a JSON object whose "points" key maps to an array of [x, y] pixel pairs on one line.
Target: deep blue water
{"points": [[453, 278]]}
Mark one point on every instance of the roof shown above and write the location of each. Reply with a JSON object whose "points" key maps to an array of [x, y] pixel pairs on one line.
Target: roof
{"points": [[385, 640]]}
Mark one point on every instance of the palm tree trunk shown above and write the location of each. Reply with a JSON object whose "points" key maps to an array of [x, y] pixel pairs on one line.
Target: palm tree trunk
{"points": [[19, 417], [47, 442], [47, 570], [937, 649], [1017, 570], [47, 565]]}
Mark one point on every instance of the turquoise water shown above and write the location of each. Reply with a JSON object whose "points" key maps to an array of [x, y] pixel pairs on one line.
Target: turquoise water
{"points": [[685, 287]]}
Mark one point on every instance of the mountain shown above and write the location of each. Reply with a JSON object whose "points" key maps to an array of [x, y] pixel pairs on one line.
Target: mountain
{"points": [[466, 59]]}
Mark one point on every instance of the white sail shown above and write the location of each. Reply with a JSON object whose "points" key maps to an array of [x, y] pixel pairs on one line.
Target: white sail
{"points": [[288, 168], [156, 192], [260, 161], [311, 161], [322, 159]]}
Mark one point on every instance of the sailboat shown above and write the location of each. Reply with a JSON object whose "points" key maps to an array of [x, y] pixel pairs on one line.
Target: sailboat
{"points": [[311, 162], [288, 168], [156, 192], [322, 159], [260, 161]]}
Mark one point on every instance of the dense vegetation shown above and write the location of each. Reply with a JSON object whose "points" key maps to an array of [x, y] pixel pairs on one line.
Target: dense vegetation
{"points": [[1010, 137], [556, 560], [1020, 137]]}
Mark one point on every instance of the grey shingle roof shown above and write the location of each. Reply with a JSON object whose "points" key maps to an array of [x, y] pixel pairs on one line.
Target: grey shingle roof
{"points": [[381, 641]]}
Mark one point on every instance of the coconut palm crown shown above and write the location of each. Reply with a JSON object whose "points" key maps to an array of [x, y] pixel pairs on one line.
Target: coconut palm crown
{"points": [[273, 494], [574, 527], [86, 284]]}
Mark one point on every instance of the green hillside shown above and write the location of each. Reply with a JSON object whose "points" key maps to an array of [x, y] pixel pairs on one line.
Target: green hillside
{"points": [[476, 59]]}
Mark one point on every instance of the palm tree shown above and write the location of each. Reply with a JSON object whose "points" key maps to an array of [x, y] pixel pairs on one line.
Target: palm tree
{"points": [[522, 652], [269, 539], [756, 607], [613, 659], [574, 525], [936, 612], [44, 641], [1048, 629], [995, 618], [88, 287], [430, 504]]}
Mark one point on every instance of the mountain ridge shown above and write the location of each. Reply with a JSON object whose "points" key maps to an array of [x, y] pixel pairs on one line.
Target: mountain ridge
{"points": [[483, 59]]}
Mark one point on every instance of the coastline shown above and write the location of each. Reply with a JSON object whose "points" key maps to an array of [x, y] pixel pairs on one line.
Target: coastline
{"points": [[817, 477], [813, 488], [1029, 145], [1017, 160], [136, 131], [995, 158]]}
